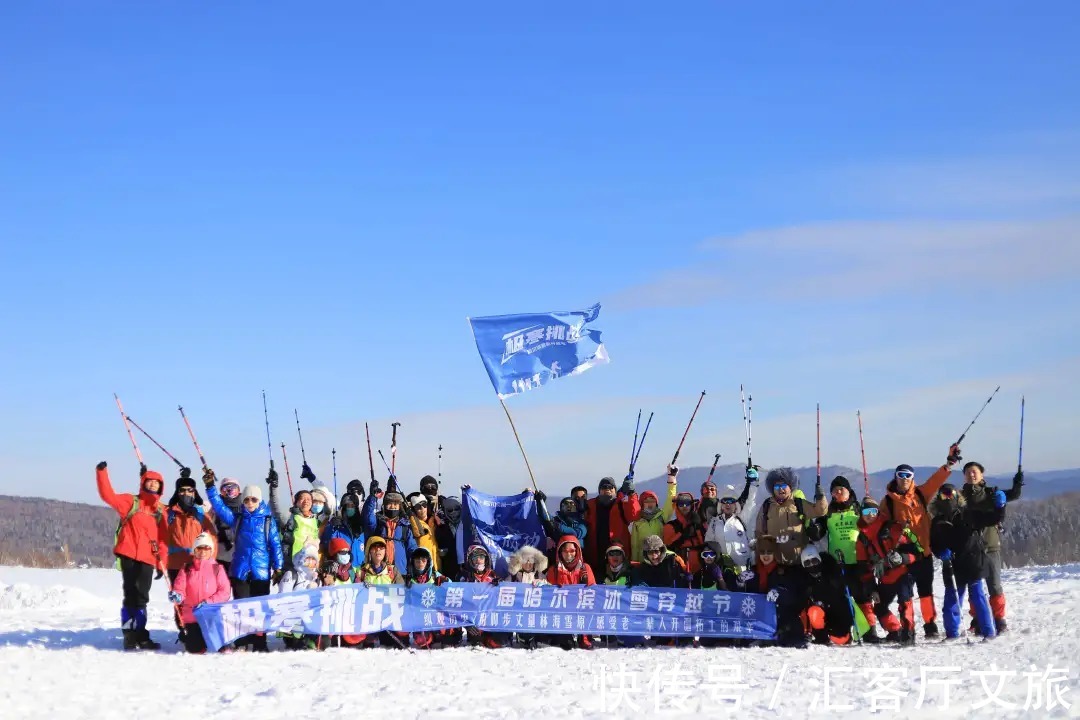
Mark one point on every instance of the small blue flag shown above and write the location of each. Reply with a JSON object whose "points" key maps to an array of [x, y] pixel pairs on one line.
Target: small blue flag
{"points": [[522, 352]]}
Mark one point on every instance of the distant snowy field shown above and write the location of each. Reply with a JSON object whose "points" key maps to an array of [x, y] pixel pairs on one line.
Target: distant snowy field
{"points": [[60, 657]]}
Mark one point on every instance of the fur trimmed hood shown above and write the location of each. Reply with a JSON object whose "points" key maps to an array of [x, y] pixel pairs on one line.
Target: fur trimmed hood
{"points": [[515, 561]]}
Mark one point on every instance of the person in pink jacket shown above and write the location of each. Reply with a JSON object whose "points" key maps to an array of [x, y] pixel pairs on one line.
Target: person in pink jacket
{"points": [[201, 580]]}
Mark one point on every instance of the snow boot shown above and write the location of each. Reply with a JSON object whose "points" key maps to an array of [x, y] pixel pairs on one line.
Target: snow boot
{"points": [[1001, 625], [145, 642], [893, 636], [930, 630], [907, 637], [131, 641], [871, 637]]}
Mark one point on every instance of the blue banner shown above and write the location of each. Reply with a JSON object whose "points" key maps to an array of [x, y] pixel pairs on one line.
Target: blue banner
{"points": [[501, 523], [508, 607], [522, 352]]}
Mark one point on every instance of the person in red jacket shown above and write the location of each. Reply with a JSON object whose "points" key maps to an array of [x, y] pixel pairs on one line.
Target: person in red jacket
{"points": [[141, 547], [608, 517], [570, 569], [885, 550]]}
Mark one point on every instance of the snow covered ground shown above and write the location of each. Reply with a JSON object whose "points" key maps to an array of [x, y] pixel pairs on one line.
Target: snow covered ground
{"points": [[59, 656]]}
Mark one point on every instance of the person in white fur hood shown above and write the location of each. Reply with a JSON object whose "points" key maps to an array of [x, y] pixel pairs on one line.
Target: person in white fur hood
{"points": [[527, 565]]}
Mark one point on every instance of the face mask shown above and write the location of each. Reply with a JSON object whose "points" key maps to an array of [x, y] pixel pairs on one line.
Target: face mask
{"points": [[317, 508], [342, 558], [187, 501], [350, 511], [650, 513], [390, 512]]}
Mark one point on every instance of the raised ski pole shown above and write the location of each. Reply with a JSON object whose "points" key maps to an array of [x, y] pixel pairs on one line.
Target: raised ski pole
{"points": [[333, 460], [862, 449], [371, 460], [266, 419], [642, 444], [288, 475], [131, 436], [303, 455], [1020, 460], [713, 468], [964, 434], [393, 448], [440, 462], [687, 431], [151, 439], [748, 420], [817, 487], [633, 449], [193, 440]]}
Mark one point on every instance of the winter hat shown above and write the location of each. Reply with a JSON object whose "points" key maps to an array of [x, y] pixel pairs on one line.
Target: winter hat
{"points": [[810, 557], [869, 502], [203, 540], [252, 491], [227, 482], [568, 501], [152, 475], [947, 489], [765, 545], [339, 545], [840, 481], [355, 486], [190, 483], [394, 497], [903, 466], [429, 482], [782, 476], [683, 497], [607, 483], [450, 506], [417, 499], [650, 494], [707, 483], [652, 543], [372, 542]]}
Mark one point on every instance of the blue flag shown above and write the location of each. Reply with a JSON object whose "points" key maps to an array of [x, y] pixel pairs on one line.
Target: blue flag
{"points": [[501, 523], [522, 352]]}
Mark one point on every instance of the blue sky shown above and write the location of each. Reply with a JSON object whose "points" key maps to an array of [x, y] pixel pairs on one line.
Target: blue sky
{"points": [[869, 207]]}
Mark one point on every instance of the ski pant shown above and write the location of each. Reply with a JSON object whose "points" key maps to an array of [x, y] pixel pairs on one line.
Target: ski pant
{"points": [[923, 572], [246, 589], [954, 602], [993, 584], [137, 577], [193, 639], [901, 590], [789, 606]]}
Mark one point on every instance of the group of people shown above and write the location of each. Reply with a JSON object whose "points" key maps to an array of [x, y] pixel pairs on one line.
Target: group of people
{"points": [[834, 568]]}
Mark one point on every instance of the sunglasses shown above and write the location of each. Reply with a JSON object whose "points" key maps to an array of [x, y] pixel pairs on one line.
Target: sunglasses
{"points": [[616, 553], [727, 501], [905, 475], [230, 491], [251, 501], [781, 486], [869, 512], [684, 503], [946, 494]]}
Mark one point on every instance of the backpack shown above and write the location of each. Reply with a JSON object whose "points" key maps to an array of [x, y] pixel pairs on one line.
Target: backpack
{"points": [[813, 531], [131, 513]]}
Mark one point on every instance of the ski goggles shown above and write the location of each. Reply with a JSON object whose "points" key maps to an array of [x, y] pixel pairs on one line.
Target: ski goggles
{"points": [[230, 491], [946, 494], [727, 501], [869, 511], [684, 503], [781, 486], [615, 552], [708, 554], [904, 475]]}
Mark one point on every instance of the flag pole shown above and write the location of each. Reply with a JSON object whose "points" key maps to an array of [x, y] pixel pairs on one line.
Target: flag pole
{"points": [[520, 446]]}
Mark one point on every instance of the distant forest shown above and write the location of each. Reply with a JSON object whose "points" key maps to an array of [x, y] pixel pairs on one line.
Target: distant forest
{"points": [[50, 533]]}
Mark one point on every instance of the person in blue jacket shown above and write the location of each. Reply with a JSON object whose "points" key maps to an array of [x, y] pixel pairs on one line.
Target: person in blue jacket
{"points": [[568, 521], [391, 524], [345, 524], [257, 559]]}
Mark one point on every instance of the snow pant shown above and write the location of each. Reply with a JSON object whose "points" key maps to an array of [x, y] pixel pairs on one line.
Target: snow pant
{"points": [[923, 572], [993, 584], [247, 589], [954, 601], [901, 590], [829, 625], [137, 577], [789, 606], [193, 639]]}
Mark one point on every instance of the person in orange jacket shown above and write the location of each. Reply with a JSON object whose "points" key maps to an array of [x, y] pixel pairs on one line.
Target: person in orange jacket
{"points": [[186, 519], [607, 518], [885, 551], [684, 534], [141, 547], [906, 503]]}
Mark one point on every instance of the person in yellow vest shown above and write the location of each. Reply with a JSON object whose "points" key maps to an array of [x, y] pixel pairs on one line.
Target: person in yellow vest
{"points": [[423, 525], [376, 570], [653, 516]]}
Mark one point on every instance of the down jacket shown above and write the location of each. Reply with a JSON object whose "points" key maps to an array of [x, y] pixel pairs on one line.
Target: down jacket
{"points": [[201, 581], [144, 536], [257, 549]]}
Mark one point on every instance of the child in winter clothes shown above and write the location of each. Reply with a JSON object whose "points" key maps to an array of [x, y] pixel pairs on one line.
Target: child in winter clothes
{"points": [[377, 570], [957, 536], [201, 580], [660, 568], [338, 569], [304, 574]]}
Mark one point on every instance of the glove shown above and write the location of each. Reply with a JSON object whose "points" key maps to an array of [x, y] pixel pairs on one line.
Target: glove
{"points": [[999, 499], [946, 555], [272, 479], [627, 487], [391, 484], [751, 474], [208, 478], [306, 473], [745, 577], [879, 567], [185, 472], [540, 496], [142, 469], [772, 596], [688, 578], [672, 470], [275, 577], [893, 559], [630, 476], [1018, 478], [954, 454], [373, 488], [159, 574], [175, 597], [102, 465], [819, 494]]}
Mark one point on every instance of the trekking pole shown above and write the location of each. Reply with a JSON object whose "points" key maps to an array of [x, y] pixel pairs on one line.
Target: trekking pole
{"points": [[288, 476], [393, 447], [151, 439], [685, 432], [817, 487], [127, 427], [851, 601], [440, 462], [168, 584], [303, 455], [748, 423], [964, 434], [266, 419], [862, 449], [371, 461], [713, 468], [633, 449], [193, 440], [643, 436], [333, 460], [1020, 460]]}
